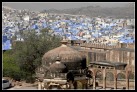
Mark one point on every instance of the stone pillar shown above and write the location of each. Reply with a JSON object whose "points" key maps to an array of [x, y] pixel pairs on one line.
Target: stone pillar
{"points": [[127, 83], [127, 80], [89, 82], [83, 86], [96, 56], [75, 85], [130, 60], [86, 85], [43, 85], [115, 83], [67, 87], [94, 82], [118, 55], [115, 79], [87, 58], [104, 79], [39, 85]]}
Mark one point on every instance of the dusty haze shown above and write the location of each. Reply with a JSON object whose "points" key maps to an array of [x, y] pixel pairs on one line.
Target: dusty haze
{"points": [[38, 6]]}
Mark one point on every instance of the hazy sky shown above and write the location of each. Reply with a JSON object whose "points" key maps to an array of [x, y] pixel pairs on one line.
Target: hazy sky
{"points": [[37, 6]]}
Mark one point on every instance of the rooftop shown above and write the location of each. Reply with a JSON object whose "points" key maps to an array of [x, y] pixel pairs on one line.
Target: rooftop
{"points": [[108, 63]]}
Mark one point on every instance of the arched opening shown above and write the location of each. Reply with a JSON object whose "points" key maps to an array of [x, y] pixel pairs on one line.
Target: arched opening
{"points": [[99, 79], [121, 80], [131, 81], [109, 80], [70, 76], [54, 87], [79, 85], [89, 74], [99, 66]]}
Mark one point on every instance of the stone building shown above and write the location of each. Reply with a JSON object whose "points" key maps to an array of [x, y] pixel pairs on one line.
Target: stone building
{"points": [[119, 53], [65, 66], [112, 70], [62, 66]]}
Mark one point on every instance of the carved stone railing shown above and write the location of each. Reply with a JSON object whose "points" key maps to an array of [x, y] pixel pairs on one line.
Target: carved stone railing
{"points": [[105, 46]]}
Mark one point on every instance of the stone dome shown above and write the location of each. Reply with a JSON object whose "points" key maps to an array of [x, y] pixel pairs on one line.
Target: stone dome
{"points": [[58, 66], [70, 57]]}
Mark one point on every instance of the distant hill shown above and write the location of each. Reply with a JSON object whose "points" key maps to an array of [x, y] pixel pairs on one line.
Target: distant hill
{"points": [[93, 11], [6, 7]]}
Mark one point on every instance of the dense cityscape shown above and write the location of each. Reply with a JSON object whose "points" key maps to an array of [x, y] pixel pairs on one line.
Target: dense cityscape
{"points": [[111, 39]]}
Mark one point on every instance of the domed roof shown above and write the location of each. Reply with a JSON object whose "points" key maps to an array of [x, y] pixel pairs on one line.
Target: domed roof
{"points": [[57, 66], [66, 54]]}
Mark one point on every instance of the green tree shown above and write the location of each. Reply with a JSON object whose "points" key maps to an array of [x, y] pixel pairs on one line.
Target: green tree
{"points": [[10, 67], [29, 52]]}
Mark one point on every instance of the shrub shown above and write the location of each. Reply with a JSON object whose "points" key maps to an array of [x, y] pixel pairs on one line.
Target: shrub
{"points": [[10, 67], [28, 54]]}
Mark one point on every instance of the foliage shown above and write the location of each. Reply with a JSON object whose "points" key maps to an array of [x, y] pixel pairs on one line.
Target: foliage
{"points": [[10, 67], [29, 53], [22, 61]]}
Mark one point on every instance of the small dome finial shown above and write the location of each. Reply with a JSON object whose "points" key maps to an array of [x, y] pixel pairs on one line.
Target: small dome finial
{"points": [[64, 41], [58, 58]]}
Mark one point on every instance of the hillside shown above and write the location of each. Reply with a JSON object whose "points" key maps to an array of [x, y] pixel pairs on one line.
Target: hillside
{"points": [[93, 11]]}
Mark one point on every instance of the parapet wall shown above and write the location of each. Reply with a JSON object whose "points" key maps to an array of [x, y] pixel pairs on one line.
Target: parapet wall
{"points": [[105, 46], [122, 55]]}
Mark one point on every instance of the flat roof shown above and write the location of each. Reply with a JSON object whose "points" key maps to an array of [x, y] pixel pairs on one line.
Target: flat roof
{"points": [[108, 63]]}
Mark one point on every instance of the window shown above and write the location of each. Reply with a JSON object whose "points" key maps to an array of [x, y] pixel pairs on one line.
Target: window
{"points": [[5, 81]]}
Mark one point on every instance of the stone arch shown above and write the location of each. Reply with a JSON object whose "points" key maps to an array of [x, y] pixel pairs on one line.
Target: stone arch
{"points": [[109, 79], [131, 75], [110, 76], [121, 75], [131, 78], [99, 74], [121, 79], [70, 76], [78, 84], [89, 73]]}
